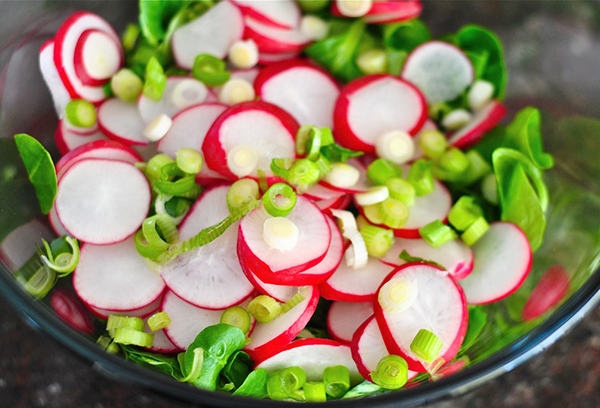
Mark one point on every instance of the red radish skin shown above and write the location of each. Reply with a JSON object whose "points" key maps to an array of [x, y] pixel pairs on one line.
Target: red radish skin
{"points": [[502, 261], [161, 343], [484, 120], [248, 123], [334, 204], [55, 223], [440, 306], [116, 277], [214, 32], [88, 47], [313, 356], [102, 201], [314, 91], [386, 12], [67, 140], [121, 121], [550, 290], [280, 293], [359, 118], [142, 312], [343, 318], [278, 14], [58, 91], [69, 308], [269, 338], [450, 369], [265, 58], [274, 40]]}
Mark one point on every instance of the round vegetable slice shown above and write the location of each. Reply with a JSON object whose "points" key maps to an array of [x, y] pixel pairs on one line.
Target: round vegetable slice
{"points": [[343, 318]]}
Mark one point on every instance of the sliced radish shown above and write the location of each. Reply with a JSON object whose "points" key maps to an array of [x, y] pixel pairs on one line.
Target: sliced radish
{"points": [[385, 12], [343, 318], [348, 284], [502, 260], [161, 343], [269, 338], [280, 293], [313, 356], [116, 277], [122, 121], [214, 32], [266, 58], [264, 129], [69, 308], [102, 201], [280, 14], [308, 93], [99, 149], [322, 192], [65, 45], [482, 122], [142, 312], [454, 255], [67, 140], [58, 91], [552, 287], [268, 263], [55, 223], [373, 105], [368, 348], [98, 56], [275, 40], [440, 306], [81, 130], [334, 204], [209, 276]]}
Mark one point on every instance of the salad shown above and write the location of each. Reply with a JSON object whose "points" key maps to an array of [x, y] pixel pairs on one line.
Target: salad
{"points": [[295, 200]]}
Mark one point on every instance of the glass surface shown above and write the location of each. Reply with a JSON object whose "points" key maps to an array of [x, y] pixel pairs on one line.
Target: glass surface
{"points": [[553, 56]]}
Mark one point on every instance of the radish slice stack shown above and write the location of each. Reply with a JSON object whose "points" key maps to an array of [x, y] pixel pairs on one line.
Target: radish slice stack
{"points": [[59, 92], [384, 12], [344, 318], [66, 139]]}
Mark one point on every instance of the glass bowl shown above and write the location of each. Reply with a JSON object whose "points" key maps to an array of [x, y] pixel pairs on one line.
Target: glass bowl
{"points": [[553, 57]]}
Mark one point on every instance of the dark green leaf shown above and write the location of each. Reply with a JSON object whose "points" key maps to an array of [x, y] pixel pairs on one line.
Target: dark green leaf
{"points": [[255, 385], [160, 362], [400, 39], [405, 256], [237, 369], [336, 153], [155, 16]]}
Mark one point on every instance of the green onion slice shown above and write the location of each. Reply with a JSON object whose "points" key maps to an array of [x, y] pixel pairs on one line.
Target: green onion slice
{"points": [[337, 380], [197, 362], [160, 231], [117, 321], [281, 168], [426, 345], [475, 231], [264, 308], [303, 293], [159, 321], [263, 183], [393, 213], [454, 163], [378, 240], [314, 391], [210, 70], [130, 36], [36, 278], [279, 200], [433, 143], [302, 137], [126, 85], [144, 249], [391, 372], [437, 233], [241, 192], [155, 80], [108, 344], [304, 173], [156, 164], [81, 113], [420, 177], [380, 170], [464, 213], [189, 160], [402, 190], [65, 262], [237, 316], [292, 379]]}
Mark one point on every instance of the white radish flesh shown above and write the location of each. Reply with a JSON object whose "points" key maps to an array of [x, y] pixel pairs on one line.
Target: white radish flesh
{"points": [[67, 140], [98, 56], [102, 201], [58, 91], [343, 318], [142, 312], [122, 121], [385, 12], [282, 14], [55, 223], [275, 40]]}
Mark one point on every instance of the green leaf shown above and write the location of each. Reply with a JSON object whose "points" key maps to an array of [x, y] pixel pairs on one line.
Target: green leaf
{"points": [[524, 135], [255, 385], [400, 39], [405, 256], [237, 369], [40, 169], [477, 321], [155, 16], [338, 154], [364, 389], [166, 364]]}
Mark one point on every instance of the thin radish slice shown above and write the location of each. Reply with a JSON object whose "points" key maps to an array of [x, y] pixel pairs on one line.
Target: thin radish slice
{"points": [[440, 306], [55, 223], [142, 312], [311, 276], [313, 356], [334, 204], [385, 12], [188, 320], [372, 105], [116, 277], [161, 343], [552, 288], [102, 201], [439, 69], [58, 91], [82, 131], [269, 338], [214, 32], [368, 348], [322, 192], [453, 255], [266, 58], [308, 93], [343, 318], [99, 149], [267, 262], [180, 93], [69, 308], [502, 260], [280, 293], [122, 121], [265, 129], [355, 285], [482, 122], [275, 40], [67, 140], [209, 276], [279, 14], [65, 44], [98, 56]]}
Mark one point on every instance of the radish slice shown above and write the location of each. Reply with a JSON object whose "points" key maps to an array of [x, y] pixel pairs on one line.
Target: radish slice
{"points": [[102, 201], [99, 149], [313, 356], [267, 263], [269, 338], [82, 131], [122, 121], [280, 293], [439, 69], [440, 307], [280, 14], [55, 223], [65, 45], [502, 260], [67, 140], [161, 343], [266, 58], [308, 93], [58, 91], [69, 308], [368, 348], [334, 204], [209, 276], [142, 312], [552, 287], [454, 255], [275, 40], [385, 12], [322, 192], [98, 56], [100, 279], [372, 105], [482, 122], [265, 128], [355, 285], [214, 32], [343, 318]]}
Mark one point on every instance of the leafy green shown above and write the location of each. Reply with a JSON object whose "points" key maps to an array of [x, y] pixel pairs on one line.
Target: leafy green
{"points": [[155, 17], [400, 39], [524, 135], [336, 153], [166, 364], [255, 385], [364, 389], [40, 169], [405, 256], [237, 369], [477, 321]]}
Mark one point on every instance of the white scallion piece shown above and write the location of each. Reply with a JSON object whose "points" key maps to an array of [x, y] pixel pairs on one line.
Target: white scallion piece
{"points": [[342, 175], [346, 221], [373, 195], [356, 254], [236, 90], [242, 160], [243, 54], [456, 119], [397, 294], [313, 27], [354, 8], [158, 127], [280, 233], [189, 92], [396, 146], [480, 94]]}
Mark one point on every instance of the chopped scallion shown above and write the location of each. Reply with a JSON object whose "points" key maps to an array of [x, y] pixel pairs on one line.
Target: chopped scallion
{"points": [[393, 213], [426, 345], [475, 231], [189, 160], [159, 321], [420, 177], [378, 240], [117, 321], [126, 85], [391, 372], [397, 295], [337, 380], [433, 143], [437, 233], [241, 192], [464, 213], [304, 173], [210, 70], [264, 308], [155, 80], [401, 190], [279, 200], [237, 316], [81, 113], [314, 391], [160, 231], [380, 170]]}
